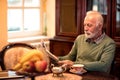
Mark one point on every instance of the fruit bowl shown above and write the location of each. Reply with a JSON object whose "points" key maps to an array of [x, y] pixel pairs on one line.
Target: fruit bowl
{"points": [[31, 64], [30, 68]]}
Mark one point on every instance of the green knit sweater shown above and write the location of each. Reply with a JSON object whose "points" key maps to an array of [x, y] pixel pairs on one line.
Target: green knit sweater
{"points": [[95, 57]]}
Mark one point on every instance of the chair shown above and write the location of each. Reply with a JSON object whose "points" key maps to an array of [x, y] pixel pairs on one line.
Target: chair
{"points": [[11, 53]]}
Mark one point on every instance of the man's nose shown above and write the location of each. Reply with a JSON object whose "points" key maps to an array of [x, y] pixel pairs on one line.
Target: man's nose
{"points": [[86, 28]]}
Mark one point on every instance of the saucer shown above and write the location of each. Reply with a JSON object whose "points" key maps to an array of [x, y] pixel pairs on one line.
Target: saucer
{"points": [[75, 72]]}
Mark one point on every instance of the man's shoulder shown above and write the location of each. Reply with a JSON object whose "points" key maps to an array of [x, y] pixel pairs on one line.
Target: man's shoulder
{"points": [[108, 40], [81, 36]]}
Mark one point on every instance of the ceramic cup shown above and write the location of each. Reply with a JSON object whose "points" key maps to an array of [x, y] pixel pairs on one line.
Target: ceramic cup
{"points": [[77, 67]]}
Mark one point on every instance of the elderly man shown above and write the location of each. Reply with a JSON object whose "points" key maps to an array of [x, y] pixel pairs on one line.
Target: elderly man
{"points": [[94, 49]]}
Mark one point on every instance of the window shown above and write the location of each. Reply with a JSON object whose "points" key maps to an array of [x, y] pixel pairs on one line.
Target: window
{"points": [[97, 5], [23, 18]]}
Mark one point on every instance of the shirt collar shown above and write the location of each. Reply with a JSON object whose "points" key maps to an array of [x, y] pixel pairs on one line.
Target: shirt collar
{"points": [[98, 40]]}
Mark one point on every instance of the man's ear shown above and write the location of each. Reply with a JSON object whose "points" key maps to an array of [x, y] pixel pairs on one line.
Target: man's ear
{"points": [[100, 26]]}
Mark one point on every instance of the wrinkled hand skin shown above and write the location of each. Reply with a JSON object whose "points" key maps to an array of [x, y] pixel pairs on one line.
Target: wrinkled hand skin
{"points": [[67, 63]]}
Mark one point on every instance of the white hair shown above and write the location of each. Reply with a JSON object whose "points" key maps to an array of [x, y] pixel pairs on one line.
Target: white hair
{"points": [[97, 15]]}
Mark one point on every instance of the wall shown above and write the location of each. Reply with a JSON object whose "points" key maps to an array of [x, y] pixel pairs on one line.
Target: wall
{"points": [[51, 17], [3, 23]]}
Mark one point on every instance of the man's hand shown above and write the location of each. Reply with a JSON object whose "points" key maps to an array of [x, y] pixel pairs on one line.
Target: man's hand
{"points": [[67, 63]]}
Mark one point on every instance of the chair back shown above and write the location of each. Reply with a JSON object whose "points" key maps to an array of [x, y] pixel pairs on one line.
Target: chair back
{"points": [[11, 53]]}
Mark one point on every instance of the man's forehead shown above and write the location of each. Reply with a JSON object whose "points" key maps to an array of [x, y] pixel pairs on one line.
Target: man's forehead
{"points": [[90, 19]]}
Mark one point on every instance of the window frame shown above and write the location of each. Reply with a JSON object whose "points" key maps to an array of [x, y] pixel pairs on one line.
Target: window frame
{"points": [[21, 34]]}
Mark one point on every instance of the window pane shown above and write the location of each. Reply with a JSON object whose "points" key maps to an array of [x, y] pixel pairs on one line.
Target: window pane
{"points": [[14, 3], [33, 3], [98, 5], [118, 18], [31, 19], [14, 19], [23, 18]]}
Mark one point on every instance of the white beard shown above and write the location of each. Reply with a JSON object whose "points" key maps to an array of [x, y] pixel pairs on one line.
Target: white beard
{"points": [[89, 34]]}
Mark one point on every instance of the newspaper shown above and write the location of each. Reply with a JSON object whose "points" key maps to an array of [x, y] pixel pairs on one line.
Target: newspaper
{"points": [[53, 58]]}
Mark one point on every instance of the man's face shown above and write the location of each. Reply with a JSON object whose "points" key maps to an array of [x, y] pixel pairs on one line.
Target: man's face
{"points": [[91, 28]]}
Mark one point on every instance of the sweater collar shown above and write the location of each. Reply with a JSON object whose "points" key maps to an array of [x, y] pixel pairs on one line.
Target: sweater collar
{"points": [[97, 41]]}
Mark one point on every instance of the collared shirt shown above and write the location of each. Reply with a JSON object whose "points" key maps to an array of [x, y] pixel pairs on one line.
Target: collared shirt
{"points": [[98, 40]]}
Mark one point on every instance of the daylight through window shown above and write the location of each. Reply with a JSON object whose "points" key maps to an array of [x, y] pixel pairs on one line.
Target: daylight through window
{"points": [[23, 18]]}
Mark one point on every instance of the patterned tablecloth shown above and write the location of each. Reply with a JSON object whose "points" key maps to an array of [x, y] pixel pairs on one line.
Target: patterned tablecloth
{"points": [[66, 76]]}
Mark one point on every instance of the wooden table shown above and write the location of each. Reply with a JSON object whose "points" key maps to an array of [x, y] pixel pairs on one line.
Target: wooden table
{"points": [[66, 76], [69, 76], [98, 76], [86, 76]]}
